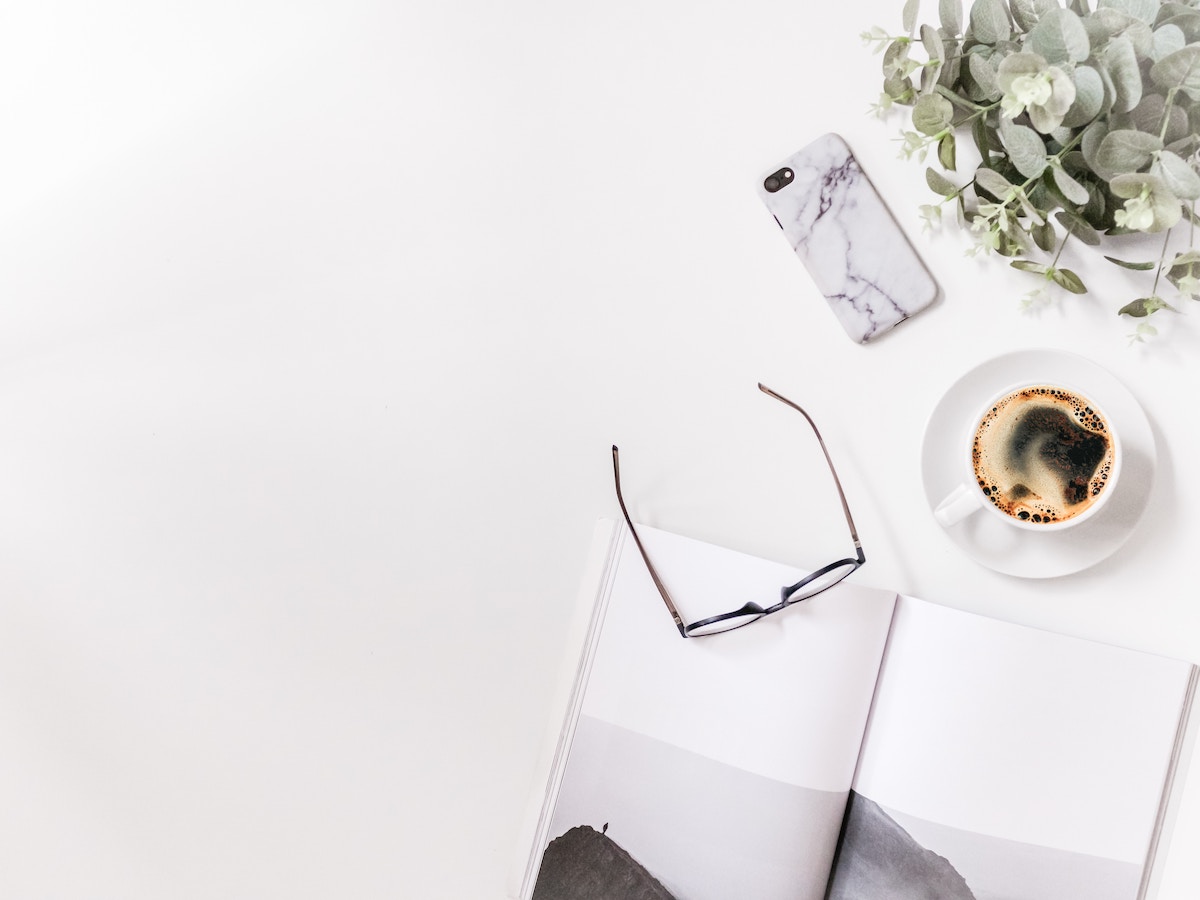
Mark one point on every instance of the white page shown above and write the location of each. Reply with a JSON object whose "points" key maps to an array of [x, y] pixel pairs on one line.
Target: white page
{"points": [[1019, 754], [722, 763]]}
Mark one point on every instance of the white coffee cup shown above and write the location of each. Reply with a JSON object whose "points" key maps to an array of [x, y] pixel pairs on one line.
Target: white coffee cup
{"points": [[1014, 436]]}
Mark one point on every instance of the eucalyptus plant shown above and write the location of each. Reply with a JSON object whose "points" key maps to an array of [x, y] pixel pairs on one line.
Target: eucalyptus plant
{"points": [[1086, 121]]}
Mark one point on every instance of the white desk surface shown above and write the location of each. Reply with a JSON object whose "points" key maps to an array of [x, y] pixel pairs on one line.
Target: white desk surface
{"points": [[317, 321]]}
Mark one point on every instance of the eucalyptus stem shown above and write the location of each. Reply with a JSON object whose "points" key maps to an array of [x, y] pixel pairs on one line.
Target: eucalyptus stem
{"points": [[1162, 258]]}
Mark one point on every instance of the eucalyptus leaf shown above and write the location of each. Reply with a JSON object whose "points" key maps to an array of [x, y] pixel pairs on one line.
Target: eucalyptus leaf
{"points": [[1044, 236], [1187, 21], [982, 138], [1096, 213], [1148, 117], [939, 183], [1071, 189], [1124, 151], [989, 21], [1079, 228], [1059, 36], [932, 42], [1114, 22], [909, 15], [898, 88], [894, 57], [1028, 12], [1068, 280], [1122, 65], [950, 15], [1180, 69], [984, 74], [930, 76], [1089, 98], [1137, 266], [1143, 10], [1167, 39], [1144, 306], [948, 151], [993, 182], [932, 114], [1180, 177], [1025, 147], [1026, 265], [1089, 144]]}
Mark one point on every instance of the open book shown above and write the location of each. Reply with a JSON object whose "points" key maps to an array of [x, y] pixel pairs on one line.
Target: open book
{"points": [[857, 746]]}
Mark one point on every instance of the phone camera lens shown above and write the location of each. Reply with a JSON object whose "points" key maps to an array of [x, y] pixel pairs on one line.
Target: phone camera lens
{"points": [[778, 180]]}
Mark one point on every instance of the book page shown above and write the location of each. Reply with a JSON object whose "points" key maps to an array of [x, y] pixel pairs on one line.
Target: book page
{"points": [[713, 767], [1007, 762]]}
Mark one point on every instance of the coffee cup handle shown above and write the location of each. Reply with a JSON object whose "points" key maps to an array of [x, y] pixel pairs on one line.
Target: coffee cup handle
{"points": [[958, 504]]}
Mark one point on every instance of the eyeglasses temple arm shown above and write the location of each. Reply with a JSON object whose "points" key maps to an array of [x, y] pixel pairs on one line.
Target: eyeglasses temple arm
{"points": [[637, 540], [820, 440]]}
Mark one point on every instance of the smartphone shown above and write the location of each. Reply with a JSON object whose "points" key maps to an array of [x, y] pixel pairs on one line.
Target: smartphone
{"points": [[854, 251]]}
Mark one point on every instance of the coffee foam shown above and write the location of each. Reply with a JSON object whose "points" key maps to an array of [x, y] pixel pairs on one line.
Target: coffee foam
{"points": [[1042, 454]]}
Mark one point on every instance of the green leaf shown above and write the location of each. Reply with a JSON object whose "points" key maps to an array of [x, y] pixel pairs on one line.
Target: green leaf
{"points": [[932, 42], [950, 15], [1089, 144], [1122, 65], [1167, 39], [1124, 151], [1044, 236], [1187, 21], [989, 21], [1180, 177], [1142, 10], [1071, 189], [982, 138], [932, 114], [1148, 116], [1025, 147], [1067, 279], [985, 76], [898, 88], [1026, 265], [1028, 12], [946, 152], [1108, 23], [1179, 69], [1144, 306], [1059, 36], [1075, 224], [909, 15], [1089, 97], [1125, 264], [939, 183], [993, 182]]}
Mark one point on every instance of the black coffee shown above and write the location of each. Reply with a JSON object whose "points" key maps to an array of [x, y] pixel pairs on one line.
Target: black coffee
{"points": [[1042, 454]]}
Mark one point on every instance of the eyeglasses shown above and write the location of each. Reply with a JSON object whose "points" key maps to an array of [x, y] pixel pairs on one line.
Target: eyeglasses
{"points": [[809, 586]]}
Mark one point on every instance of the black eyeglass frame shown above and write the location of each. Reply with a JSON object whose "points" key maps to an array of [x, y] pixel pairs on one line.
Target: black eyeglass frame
{"points": [[789, 594]]}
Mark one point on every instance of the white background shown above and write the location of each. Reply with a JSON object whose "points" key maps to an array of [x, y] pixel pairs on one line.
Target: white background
{"points": [[316, 324]]}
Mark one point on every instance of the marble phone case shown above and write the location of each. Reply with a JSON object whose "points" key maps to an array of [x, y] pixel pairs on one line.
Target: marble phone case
{"points": [[853, 249]]}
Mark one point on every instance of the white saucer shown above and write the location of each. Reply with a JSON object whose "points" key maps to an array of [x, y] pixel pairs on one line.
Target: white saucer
{"points": [[1015, 551]]}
